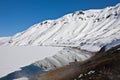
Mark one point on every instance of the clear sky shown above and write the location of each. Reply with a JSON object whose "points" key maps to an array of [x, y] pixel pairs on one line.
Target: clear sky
{"points": [[18, 15]]}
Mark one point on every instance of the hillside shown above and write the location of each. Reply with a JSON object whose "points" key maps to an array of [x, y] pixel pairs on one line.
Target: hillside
{"points": [[103, 66], [80, 42], [91, 28]]}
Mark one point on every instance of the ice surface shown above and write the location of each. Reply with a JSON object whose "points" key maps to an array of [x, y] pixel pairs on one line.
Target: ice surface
{"points": [[12, 58]]}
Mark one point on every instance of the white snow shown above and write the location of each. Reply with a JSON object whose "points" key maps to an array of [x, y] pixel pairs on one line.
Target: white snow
{"points": [[23, 78], [93, 28], [88, 30], [12, 58], [113, 44], [63, 57], [91, 48], [4, 39]]}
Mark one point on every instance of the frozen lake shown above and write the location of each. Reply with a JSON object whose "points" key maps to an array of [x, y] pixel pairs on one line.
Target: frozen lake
{"points": [[12, 58]]}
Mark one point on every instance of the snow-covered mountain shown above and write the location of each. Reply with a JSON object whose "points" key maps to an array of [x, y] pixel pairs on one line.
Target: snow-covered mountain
{"points": [[79, 34], [94, 28], [3, 40]]}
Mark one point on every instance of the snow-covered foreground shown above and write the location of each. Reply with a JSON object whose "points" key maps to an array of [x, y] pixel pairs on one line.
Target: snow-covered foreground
{"points": [[12, 58]]}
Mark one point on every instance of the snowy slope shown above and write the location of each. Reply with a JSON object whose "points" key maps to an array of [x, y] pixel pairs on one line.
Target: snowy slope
{"points": [[4, 40], [94, 28], [63, 57], [80, 33]]}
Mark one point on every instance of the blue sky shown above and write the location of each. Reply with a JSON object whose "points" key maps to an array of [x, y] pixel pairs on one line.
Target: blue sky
{"points": [[18, 15]]}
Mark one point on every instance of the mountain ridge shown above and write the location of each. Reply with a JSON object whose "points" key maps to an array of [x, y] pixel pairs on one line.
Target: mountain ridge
{"points": [[94, 28]]}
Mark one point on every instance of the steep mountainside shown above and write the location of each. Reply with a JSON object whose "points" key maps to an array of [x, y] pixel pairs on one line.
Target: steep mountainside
{"points": [[91, 28]]}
